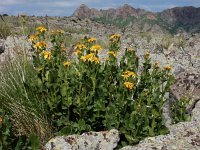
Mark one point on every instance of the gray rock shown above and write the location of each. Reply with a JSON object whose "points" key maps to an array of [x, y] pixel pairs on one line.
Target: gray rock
{"points": [[187, 84], [87, 141], [196, 112], [2, 46]]}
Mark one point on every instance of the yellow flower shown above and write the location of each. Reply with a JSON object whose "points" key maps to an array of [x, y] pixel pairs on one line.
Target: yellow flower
{"points": [[95, 48], [41, 29], [63, 47], [80, 47], [115, 36], [168, 68], [78, 52], [156, 65], [129, 85], [146, 55], [66, 63], [128, 74], [96, 60], [40, 45], [130, 49], [1, 120], [90, 57], [32, 38], [90, 40], [112, 53], [47, 55]]}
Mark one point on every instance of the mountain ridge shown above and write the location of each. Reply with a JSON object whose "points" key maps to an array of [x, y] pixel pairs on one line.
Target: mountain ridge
{"points": [[185, 18]]}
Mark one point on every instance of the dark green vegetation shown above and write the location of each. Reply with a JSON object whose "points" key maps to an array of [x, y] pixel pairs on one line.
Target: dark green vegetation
{"points": [[179, 110]]}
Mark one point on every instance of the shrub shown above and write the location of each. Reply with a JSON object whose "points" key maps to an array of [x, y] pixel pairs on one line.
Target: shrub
{"points": [[91, 94]]}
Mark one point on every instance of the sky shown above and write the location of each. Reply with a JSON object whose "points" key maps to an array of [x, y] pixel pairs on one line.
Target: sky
{"points": [[67, 7]]}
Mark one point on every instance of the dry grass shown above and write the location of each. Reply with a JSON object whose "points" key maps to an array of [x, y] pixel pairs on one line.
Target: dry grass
{"points": [[25, 107]]}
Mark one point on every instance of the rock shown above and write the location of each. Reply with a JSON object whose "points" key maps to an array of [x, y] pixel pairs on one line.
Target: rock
{"points": [[87, 141], [196, 112], [186, 85], [183, 136], [2, 46], [185, 15]]}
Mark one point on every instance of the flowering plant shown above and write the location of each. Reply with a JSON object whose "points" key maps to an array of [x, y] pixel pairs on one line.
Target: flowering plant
{"points": [[91, 94]]}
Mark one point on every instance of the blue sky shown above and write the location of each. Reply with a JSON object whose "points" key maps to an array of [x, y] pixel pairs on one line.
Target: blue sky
{"points": [[67, 7]]}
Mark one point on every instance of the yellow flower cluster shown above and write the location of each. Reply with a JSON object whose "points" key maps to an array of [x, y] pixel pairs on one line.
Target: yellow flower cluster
{"points": [[128, 74], [115, 37], [112, 53], [33, 38], [90, 40], [80, 47], [129, 85], [78, 52], [146, 55], [41, 29], [66, 63], [46, 54], [168, 68], [95, 48], [90, 57], [40, 45]]}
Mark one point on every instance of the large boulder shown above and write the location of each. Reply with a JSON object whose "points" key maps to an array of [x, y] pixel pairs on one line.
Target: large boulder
{"points": [[87, 141]]}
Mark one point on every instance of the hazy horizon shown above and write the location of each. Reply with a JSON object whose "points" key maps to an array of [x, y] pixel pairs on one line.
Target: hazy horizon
{"points": [[67, 7]]}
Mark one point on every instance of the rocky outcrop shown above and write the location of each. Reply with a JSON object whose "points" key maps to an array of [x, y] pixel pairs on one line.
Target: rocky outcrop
{"points": [[185, 15], [121, 12], [87, 141], [186, 84], [84, 12]]}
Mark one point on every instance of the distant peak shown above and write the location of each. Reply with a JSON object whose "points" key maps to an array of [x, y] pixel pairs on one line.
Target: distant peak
{"points": [[83, 6], [127, 5]]}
